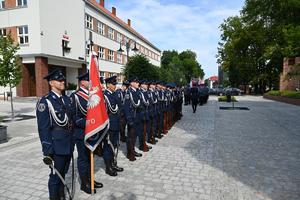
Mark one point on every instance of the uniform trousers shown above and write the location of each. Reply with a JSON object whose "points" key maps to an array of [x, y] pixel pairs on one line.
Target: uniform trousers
{"points": [[194, 103], [135, 134], [108, 152], [83, 160]]}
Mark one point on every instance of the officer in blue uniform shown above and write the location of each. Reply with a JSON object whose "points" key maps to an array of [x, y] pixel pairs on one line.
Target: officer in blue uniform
{"points": [[201, 94], [111, 140], [194, 92], [54, 119], [133, 113], [162, 103], [148, 113], [121, 100], [153, 94], [79, 108], [186, 91]]}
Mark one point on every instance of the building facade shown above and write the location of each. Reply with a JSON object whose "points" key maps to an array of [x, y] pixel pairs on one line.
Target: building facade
{"points": [[52, 36]]}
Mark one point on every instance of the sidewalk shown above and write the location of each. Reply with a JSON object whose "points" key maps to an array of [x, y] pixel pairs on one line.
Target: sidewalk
{"points": [[211, 154]]}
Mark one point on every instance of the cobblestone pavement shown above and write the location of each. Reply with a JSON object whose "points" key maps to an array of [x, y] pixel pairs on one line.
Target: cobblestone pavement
{"points": [[211, 154]]}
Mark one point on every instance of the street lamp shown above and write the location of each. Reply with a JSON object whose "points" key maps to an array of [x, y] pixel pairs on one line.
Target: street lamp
{"points": [[127, 49]]}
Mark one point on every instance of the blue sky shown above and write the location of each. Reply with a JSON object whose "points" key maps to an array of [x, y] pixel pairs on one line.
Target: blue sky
{"points": [[180, 25]]}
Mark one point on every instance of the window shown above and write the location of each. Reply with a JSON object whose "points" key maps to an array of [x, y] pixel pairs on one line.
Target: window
{"points": [[125, 59], [119, 38], [132, 44], [101, 52], [147, 52], [102, 73], [22, 2], [100, 27], [23, 35], [110, 55], [125, 40], [87, 49], [119, 58], [110, 74], [3, 31], [2, 4], [119, 78], [89, 22], [110, 33]]}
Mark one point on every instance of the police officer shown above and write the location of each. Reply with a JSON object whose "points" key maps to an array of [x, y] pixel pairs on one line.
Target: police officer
{"points": [[162, 103], [111, 140], [186, 91], [194, 92], [153, 96], [79, 109], [201, 94], [132, 113], [55, 131]]}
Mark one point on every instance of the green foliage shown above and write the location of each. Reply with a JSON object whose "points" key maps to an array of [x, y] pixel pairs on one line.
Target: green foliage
{"points": [[167, 57], [10, 69], [254, 44], [0, 119], [72, 86], [225, 98], [285, 93]]}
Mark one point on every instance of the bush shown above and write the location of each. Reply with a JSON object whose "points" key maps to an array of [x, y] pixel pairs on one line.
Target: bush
{"points": [[286, 94], [71, 86], [225, 98]]}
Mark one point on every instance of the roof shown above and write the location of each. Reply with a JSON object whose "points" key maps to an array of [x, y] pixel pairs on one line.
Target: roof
{"points": [[213, 78], [95, 3]]}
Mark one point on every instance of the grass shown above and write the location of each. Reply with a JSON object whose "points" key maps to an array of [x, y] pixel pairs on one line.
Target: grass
{"points": [[285, 93], [225, 98]]}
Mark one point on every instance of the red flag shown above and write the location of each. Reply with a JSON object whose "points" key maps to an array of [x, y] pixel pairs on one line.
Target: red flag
{"points": [[97, 122]]}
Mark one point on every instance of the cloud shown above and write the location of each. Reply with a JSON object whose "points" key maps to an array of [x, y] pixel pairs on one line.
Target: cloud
{"points": [[173, 25]]}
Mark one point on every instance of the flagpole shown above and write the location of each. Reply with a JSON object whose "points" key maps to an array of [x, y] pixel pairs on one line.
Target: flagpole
{"points": [[92, 173]]}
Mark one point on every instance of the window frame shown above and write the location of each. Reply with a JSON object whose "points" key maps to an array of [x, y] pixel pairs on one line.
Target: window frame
{"points": [[110, 74], [23, 2], [110, 55], [102, 73], [101, 52], [88, 20], [100, 27], [119, 37], [110, 33], [119, 57], [125, 40], [2, 2], [3, 31], [125, 59], [119, 77], [23, 35]]}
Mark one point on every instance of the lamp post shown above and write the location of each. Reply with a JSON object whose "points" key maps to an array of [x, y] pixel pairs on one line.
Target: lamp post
{"points": [[127, 44]]}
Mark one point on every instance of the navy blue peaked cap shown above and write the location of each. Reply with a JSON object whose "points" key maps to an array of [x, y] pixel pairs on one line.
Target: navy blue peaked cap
{"points": [[159, 83], [168, 84], [55, 75], [101, 80], [133, 79], [194, 84], [144, 81], [112, 79], [126, 84], [84, 77], [152, 82]]}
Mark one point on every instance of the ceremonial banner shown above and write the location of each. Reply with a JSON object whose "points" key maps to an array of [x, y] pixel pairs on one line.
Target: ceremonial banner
{"points": [[97, 122]]}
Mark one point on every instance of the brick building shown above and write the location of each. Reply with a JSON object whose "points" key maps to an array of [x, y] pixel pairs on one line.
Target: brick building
{"points": [[52, 36], [291, 84]]}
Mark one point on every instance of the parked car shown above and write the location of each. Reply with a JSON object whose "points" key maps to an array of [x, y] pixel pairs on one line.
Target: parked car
{"points": [[213, 91], [234, 91]]}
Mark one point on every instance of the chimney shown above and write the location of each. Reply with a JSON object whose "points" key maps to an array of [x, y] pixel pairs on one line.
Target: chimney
{"points": [[114, 11], [129, 22], [102, 3]]}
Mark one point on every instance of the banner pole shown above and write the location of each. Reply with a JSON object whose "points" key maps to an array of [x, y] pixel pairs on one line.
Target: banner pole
{"points": [[92, 173]]}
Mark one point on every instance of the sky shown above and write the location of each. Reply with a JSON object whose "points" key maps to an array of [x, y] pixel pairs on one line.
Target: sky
{"points": [[180, 24]]}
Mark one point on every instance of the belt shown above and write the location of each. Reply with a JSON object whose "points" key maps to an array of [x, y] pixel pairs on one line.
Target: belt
{"points": [[58, 128]]}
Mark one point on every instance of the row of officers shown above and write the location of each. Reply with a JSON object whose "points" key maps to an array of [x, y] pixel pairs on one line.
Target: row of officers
{"points": [[199, 94], [147, 109]]}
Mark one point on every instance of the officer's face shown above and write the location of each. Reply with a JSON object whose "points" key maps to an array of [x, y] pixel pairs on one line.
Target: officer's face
{"points": [[134, 85], [111, 86], [144, 86], [85, 84], [57, 85]]}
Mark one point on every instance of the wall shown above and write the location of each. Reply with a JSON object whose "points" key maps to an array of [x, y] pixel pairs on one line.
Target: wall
{"points": [[285, 85]]}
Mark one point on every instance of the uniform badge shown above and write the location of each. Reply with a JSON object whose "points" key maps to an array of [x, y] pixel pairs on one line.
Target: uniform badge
{"points": [[71, 99], [127, 96], [41, 107], [149, 95], [119, 95], [53, 96]]}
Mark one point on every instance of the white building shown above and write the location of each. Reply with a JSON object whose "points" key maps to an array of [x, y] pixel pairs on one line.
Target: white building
{"points": [[51, 36]]}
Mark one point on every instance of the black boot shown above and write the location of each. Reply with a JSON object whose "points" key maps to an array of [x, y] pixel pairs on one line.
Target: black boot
{"points": [[115, 166], [55, 197], [96, 184], [62, 194], [128, 154], [141, 147], [109, 170], [136, 154], [149, 147], [86, 185]]}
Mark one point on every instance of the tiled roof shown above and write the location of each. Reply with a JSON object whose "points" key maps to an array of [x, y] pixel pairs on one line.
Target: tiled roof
{"points": [[119, 20]]}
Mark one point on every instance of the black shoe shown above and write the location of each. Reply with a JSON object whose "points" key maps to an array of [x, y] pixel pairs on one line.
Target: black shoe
{"points": [[96, 184], [86, 185], [55, 197], [141, 147], [136, 154], [115, 167], [61, 194], [149, 147], [109, 170]]}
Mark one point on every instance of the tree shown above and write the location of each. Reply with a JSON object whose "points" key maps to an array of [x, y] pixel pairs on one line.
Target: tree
{"points": [[139, 65], [167, 57], [187, 54], [10, 69]]}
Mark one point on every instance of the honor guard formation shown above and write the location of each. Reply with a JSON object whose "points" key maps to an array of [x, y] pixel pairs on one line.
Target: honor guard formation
{"points": [[198, 94], [147, 108]]}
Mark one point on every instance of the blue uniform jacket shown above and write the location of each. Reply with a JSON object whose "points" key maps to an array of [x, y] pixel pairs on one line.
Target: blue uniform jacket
{"points": [[113, 110], [194, 93], [153, 101], [50, 114], [132, 111]]}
